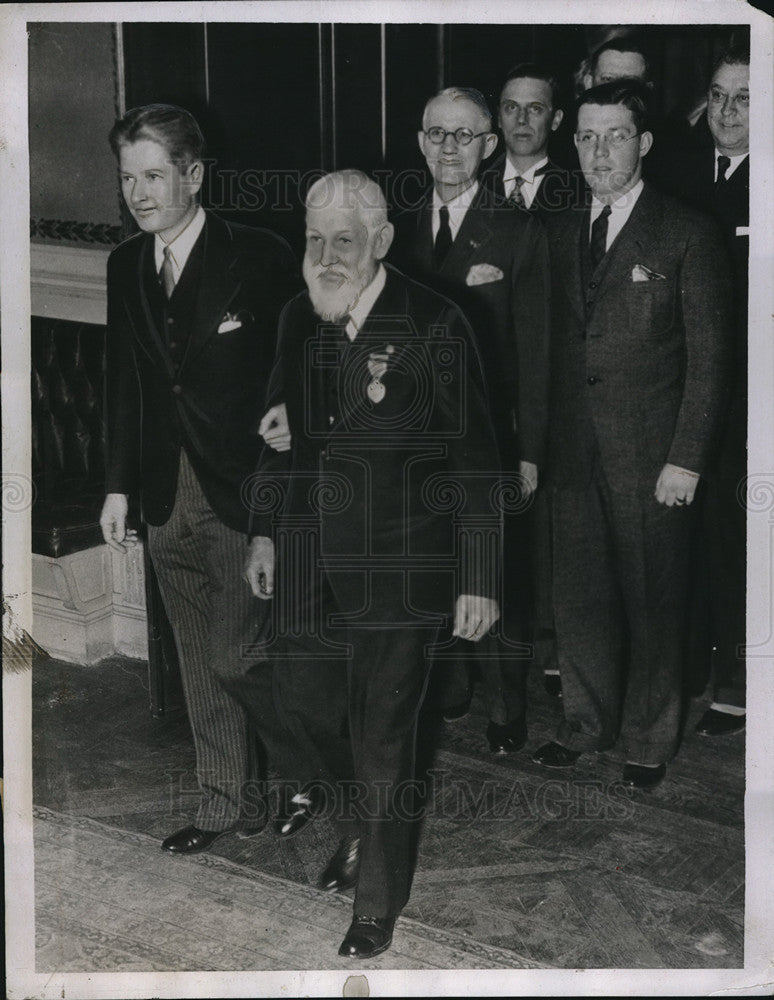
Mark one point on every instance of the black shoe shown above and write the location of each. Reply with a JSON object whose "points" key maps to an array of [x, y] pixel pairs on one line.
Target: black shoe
{"points": [[298, 813], [191, 840], [367, 936], [340, 873], [639, 776], [555, 755], [508, 738], [553, 685], [715, 723], [457, 712]]}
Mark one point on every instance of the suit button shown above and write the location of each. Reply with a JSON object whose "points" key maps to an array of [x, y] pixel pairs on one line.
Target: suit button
{"points": [[170, 320], [592, 380], [177, 389], [593, 284], [172, 345]]}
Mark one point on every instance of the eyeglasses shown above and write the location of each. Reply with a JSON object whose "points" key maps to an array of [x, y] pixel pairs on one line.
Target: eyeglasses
{"points": [[615, 138], [462, 136]]}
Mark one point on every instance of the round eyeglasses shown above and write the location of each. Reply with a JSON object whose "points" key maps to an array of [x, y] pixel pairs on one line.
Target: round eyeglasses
{"points": [[462, 136]]}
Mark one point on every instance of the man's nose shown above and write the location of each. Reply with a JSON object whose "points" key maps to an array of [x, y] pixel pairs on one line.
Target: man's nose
{"points": [[328, 255], [521, 115], [729, 106], [138, 192], [449, 144]]}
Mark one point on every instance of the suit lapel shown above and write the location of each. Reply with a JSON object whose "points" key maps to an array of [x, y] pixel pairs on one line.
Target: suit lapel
{"points": [[423, 247], [138, 305], [219, 284], [636, 233], [472, 236], [569, 256]]}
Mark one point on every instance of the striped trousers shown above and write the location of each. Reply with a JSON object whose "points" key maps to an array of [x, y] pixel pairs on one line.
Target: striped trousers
{"points": [[214, 616]]}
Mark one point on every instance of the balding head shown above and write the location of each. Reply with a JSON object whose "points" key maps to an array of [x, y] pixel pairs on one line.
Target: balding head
{"points": [[347, 234], [456, 136]]}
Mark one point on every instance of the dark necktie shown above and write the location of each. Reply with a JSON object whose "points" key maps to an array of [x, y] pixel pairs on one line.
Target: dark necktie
{"points": [[723, 164], [598, 245], [167, 274], [443, 239], [516, 197]]}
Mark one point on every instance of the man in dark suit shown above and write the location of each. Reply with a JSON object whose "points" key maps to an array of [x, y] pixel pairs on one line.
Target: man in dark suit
{"points": [[641, 325], [193, 304], [529, 113], [714, 175], [471, 245], [386, 520]]}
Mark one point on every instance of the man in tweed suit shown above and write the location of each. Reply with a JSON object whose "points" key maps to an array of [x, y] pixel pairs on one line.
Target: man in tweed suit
{"points": [[193, 304], [640, 348]]}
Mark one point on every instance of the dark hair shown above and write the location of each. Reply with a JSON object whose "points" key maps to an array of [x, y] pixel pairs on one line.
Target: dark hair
{"points": [[737, 53], [174, 128], [535, 71], [621, 43], [632, 94]]}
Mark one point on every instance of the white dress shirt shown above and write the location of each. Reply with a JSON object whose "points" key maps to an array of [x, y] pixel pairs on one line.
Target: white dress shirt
{"points": [[181, 246], [735, 161], [531, 183], [358, 314], [620, 211], [457, 208]]}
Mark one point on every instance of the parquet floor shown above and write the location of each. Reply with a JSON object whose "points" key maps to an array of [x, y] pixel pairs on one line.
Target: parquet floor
{"points": [[562, 870]]}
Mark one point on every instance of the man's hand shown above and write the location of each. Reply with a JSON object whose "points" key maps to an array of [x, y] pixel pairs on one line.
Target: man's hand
{"points": [[275, 429], [112, 520], [259, 567], [676, 486], [529, 473], [474, 616]]}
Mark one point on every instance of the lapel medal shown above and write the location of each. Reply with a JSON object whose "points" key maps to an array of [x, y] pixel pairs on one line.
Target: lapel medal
{"points": [[376, 390]]}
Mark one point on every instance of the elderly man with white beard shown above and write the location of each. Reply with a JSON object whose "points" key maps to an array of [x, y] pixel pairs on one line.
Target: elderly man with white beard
{"points": [[388, 486]]}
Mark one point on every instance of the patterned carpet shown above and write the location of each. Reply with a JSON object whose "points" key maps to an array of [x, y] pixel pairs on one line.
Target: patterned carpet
{"points": [[110, 901]]}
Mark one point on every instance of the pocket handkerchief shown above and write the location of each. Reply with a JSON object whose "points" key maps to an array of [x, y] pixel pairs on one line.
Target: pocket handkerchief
{"points": [[642, 273], [483, 274], [229, 323]]}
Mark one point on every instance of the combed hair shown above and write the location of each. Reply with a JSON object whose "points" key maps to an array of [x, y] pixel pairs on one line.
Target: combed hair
{"points": [[536, 71], [736, 53], [172, 127], [632, 94], [469, 94]]}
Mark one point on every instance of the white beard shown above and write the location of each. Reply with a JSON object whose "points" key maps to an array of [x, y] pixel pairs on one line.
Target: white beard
{"points": [[332, 305]]}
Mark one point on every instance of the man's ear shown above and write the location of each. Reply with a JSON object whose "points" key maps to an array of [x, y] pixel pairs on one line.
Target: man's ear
{"points": [[383, 240], [557, 120], [490, 144], [588, 81], [421, 140], [646, 141], [193, 176]]}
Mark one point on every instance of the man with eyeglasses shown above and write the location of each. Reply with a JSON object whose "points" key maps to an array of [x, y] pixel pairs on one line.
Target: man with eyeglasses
{"points": [[470, 244], [714, 176], [640, 349]]}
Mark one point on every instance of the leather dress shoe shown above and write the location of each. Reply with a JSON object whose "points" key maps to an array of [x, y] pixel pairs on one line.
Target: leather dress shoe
{"points": [[298, 813], [508, 738], [367, 936], [456, 712], [555, 755], [553, 685], [191, 840], [341, 871], [715, 723], [639, 776]]}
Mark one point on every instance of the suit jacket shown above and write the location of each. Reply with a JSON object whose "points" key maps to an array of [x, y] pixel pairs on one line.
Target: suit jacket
{"points": [[639, 366], [210, 398], [384, 479], [557, 191], [508, 310]]}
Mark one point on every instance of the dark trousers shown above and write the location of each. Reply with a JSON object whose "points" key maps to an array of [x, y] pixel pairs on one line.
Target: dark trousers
{"points": [[374, 690], [620, 581], [216, 622]]}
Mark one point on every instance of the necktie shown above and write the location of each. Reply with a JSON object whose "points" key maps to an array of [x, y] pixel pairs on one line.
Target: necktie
{"points": [[723, 164], [598, 245], [443, 239], [516, 197], [167, 274]]}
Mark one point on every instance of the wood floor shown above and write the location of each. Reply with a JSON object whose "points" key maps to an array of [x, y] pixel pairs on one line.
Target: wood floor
{"points": [[555, 869]]}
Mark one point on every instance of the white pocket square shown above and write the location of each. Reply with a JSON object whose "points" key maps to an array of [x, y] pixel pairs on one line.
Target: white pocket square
{"points": [[483, 274], [642, 273], [229, 323]]}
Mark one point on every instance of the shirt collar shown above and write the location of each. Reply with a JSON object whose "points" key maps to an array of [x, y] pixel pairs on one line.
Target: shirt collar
{"points": [[624, 204], [511, 172], [735, 161], [459, 204], [181, 246], [359, 313]]}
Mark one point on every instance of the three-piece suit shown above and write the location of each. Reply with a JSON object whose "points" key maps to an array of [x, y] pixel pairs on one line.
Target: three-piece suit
{"points": [[185, 385], [638, 380]]}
